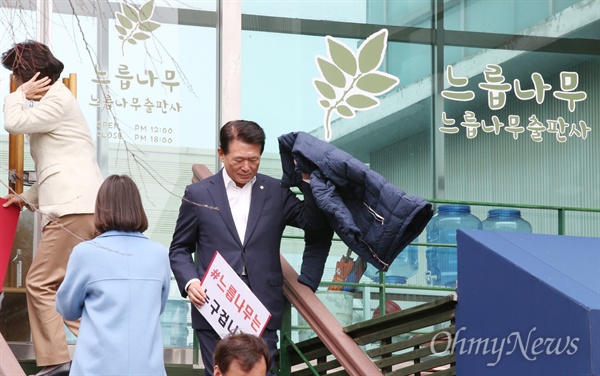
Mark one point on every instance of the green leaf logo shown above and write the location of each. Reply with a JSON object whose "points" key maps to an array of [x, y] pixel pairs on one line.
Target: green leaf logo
{"points": [[130, 12], [345, 111], [362, 102], [371, 52], [377, 83], [324, 103], [325, 89], [341, 56], [331, 73], [126, 22], [135, 25], [146, 11], [350, 82], [149, 26], [141, 36]]}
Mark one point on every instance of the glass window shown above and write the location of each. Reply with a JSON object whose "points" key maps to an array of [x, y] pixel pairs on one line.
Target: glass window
{"points": [[335, 10], [451, 131], [526, 131], [147, 88], [530, 17]]}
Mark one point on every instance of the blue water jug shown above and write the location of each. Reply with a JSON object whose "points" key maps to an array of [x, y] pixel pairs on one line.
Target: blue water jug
{"points": [[174, 323], [506, 220], [442, 261], [404, 266]]}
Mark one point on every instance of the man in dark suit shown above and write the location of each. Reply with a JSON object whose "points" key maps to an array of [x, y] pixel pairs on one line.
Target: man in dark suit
{"points": [[241, 214]]}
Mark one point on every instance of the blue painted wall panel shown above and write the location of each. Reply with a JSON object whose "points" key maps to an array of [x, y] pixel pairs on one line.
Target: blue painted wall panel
{"points": [[528, 304]]}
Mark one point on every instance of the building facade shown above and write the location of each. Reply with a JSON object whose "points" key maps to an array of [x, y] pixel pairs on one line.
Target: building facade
{"points": [[485, 103]]}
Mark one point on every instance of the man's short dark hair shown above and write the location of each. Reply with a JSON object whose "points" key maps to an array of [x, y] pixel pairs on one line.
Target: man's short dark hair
{"points": [[245, 131], [246, 350], [119, 206], [27, 58]]}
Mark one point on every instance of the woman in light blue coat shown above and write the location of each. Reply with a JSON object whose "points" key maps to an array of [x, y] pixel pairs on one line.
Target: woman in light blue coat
{"points": [[118, 283]]}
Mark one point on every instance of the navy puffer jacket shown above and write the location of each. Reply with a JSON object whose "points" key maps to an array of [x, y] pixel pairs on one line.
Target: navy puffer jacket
{"points": [[372, 216]]}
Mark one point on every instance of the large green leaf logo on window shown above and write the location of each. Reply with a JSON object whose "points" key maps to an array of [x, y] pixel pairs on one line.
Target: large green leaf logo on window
{"points": [[134, 25], [351, 82]]}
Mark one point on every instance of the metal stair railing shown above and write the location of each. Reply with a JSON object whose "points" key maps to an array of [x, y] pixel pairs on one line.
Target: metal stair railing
{"points": [[428, 330], [348, 353]]}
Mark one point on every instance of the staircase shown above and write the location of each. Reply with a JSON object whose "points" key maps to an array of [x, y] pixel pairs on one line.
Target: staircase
{"points": [[364, 349], [412, 341]]}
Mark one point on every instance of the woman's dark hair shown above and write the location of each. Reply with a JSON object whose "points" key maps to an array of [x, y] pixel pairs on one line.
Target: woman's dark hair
{"points": [[242, 130], [246, 350], [27, 58], [119, 206]]}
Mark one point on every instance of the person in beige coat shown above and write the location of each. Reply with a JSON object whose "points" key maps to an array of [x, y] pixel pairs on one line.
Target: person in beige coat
{"points": [[68, 178]]}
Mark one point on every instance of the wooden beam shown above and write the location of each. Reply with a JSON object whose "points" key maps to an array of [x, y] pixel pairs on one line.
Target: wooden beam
{"points": [[16, 153], [71, 83]]}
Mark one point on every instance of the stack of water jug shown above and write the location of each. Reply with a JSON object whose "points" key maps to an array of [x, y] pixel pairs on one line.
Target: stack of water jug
{"points": [[405, 265], [442, 261]]}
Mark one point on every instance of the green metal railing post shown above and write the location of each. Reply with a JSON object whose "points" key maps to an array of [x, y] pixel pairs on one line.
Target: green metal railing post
{"points": [[561, 222], [195, 343], [382, 297], [285, 363], [196, 347]]}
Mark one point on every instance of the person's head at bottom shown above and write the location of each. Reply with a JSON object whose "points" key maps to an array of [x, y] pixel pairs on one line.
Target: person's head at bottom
{"points": [[241, 354]]}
